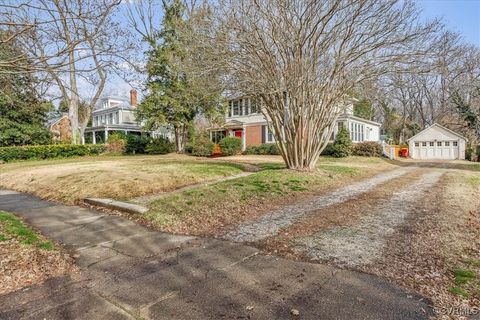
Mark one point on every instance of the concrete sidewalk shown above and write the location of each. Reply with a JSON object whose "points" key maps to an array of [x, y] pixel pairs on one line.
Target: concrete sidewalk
{"points": [[129, 272]]}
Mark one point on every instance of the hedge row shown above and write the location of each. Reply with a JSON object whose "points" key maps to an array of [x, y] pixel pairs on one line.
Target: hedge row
{"points": [[363, 149], [265, 148], [49, 151], [367, 149]]}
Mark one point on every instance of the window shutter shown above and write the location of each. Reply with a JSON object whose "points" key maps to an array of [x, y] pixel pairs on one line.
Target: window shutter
{"points": [[264, 133]]}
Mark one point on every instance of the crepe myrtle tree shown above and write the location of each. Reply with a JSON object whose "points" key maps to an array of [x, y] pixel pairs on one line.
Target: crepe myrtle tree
{"points": [[301, 58]]}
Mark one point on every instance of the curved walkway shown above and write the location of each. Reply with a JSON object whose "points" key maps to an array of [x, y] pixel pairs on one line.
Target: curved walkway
{"points": [[129, 272]]}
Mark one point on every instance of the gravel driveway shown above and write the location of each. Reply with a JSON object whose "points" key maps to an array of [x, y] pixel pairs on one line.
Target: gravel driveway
{"points": [[270, 224], [363, 242]]}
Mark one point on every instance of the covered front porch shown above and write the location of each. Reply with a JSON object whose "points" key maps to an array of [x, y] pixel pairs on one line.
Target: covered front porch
{"points": [[100, 134], [232, 128]]}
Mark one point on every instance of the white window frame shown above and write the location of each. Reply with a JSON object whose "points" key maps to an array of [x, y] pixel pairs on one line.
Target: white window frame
{"points": [[236, 104], [269, 136]]}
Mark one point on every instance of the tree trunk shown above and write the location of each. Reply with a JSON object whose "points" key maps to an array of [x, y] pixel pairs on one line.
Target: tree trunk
{"points": [[178, 139], [73, 116]]}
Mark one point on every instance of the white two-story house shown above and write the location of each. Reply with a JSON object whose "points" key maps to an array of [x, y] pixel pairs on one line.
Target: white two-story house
{"points": [[116, 114], [245, 120]]}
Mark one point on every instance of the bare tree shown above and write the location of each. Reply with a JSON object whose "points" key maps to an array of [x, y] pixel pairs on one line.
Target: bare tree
{"points": [[424, 97], [72, 43], [301, 59]]}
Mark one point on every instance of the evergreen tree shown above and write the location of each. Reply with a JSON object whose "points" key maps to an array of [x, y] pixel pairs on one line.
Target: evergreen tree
{"points": [[174, 95], [23, 114], [363, 108], [342, 146]]}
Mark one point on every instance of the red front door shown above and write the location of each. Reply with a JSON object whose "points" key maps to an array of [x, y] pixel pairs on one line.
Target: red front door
{"points": [[238, 134]]}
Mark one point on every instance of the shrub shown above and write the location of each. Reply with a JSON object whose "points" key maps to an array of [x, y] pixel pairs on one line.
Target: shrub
{"points": [[367, 149], [265, 148], [230, 146], [328, 151], [159, 145], [49, 151], [252, 150], [116, 144], [342, 147], [201, 146], [136, 144]]}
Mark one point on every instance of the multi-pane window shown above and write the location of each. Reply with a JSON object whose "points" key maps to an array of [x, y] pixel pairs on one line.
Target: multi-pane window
{"points": [[357, 131], [253, 107], [455, 143], [431, 144], [269, 137], [439, 143], [424, 144], [240, 107], [447, 143], [236, 108], [417, 144]]}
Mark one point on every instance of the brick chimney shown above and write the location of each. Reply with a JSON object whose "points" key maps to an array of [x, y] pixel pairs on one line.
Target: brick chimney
{"points": [[133, 98]]}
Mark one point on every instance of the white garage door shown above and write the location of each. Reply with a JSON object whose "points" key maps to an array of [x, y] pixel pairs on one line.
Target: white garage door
{"points": [[446, 150]]}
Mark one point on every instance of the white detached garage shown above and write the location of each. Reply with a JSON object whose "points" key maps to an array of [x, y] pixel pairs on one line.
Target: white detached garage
{"points": [[437, 142]]}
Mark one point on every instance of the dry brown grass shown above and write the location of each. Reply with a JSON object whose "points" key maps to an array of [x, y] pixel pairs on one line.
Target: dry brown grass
{"points": [[439, 238], [120, 177], [210, 209]]}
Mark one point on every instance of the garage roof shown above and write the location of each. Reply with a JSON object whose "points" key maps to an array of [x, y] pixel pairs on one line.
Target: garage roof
{"points": [[440, 126]]}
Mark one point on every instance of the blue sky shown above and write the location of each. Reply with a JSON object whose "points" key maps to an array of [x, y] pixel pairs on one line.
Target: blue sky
{"points": [[461, 16]]}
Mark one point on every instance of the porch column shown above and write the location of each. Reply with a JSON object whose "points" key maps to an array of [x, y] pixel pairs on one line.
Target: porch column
{"points": [[94, 138], [82, 139], [106, 135], [244, 138]]}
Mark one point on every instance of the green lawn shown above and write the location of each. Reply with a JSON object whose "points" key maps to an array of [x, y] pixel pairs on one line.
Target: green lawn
{"points": [[13, 228]]}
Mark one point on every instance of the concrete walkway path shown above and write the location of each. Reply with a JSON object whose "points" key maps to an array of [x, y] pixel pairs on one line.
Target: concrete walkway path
{"points": [[129, 272]]}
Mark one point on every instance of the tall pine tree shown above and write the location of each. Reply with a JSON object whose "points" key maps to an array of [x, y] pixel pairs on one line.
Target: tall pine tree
{"points": [[23, 114]]}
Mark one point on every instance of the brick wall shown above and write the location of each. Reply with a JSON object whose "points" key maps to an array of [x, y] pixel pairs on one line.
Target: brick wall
{"points": [[254, 135]]}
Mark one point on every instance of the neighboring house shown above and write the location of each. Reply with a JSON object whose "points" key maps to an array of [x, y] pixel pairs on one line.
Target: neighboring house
{"points": [[245, 120], [60, 129], [437, 142], [116, 114]]}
